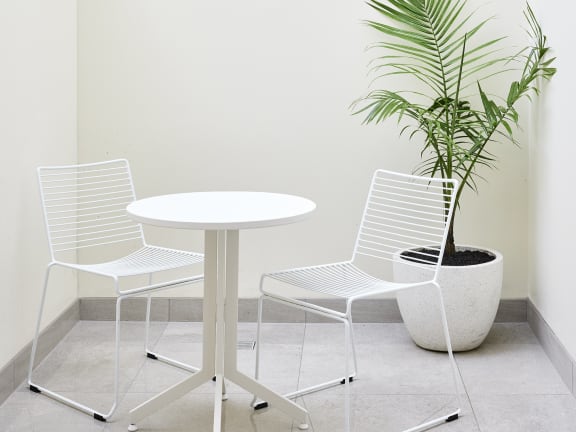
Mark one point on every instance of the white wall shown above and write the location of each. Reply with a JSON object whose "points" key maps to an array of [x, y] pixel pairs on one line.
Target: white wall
{"points": [[553, 177], [37, 126], [255, 95]]}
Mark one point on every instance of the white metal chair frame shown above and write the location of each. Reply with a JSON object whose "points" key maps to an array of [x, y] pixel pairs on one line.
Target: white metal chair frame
{"points": [[402, 212], [85, 207]]}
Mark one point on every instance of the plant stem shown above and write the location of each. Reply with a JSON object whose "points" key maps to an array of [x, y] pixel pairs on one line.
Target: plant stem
{"points": [[450, 247]]}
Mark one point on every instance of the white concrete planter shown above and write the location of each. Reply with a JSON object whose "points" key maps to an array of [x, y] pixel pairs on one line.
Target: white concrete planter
{"points": [[471, 297]]}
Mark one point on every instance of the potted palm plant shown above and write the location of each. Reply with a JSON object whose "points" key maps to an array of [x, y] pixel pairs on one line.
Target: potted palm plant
{"points": [[446, 64]]}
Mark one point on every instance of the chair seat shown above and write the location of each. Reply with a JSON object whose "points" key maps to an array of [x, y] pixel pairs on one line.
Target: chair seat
{"points": [[340, 279], [148, 259]]}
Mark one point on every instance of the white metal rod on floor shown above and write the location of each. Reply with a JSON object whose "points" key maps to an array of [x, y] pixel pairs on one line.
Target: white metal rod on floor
{"points": [[315, 388], [172, 362], [432, 423], [67, 401]]}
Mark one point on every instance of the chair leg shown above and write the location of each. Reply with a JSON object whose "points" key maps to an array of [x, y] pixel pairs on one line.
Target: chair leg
{"points": [[43, 390], [449, 346], [446, 418], [318, 387], [116, 358], [257, 364], [348, 378], [353, 346], [147, 329], [154, 355], [37, 331]]}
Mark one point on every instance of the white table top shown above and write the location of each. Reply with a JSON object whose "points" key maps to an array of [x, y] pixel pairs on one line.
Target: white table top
{"points": [[221, 210]]}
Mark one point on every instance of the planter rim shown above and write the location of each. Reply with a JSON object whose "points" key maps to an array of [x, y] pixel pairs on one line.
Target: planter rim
{"points": [[498, 256]]}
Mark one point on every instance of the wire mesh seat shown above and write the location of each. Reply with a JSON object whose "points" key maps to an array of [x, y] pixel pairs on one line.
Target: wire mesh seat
{"points": [[405, 223], [339, 279], [84, 210], [148, 259]]}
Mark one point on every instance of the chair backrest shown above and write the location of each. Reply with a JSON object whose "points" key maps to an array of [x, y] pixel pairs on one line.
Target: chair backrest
{"points": [[406, 213], [85, 205]]}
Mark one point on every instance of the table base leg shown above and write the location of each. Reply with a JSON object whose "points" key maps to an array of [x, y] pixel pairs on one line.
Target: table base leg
{"points": [[218, 396], [171, 394], [274, 399]]}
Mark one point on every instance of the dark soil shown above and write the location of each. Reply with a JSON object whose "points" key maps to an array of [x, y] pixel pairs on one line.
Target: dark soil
{"points": [[462, 258]]}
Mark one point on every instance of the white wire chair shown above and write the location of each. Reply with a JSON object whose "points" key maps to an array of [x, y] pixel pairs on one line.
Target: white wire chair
{"points": [[84, 209], [402, 212]]}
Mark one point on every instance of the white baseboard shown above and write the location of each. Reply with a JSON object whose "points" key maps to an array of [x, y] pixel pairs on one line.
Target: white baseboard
{"points": [[16, 370], [559, 356], [190, 309]]}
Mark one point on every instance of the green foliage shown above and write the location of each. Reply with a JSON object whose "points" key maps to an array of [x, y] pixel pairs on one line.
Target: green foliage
{"points": [[433, 43]]}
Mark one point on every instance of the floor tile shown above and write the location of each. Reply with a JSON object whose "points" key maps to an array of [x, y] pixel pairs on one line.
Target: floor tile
{"points": [[525, 413], [381, 334], [279, 366], [177, 334], [274, 333], [156, 376], [509, 369], [511, 333], [382, 369], [89, 368], [386, 413], [88, 332], [26, 411]]}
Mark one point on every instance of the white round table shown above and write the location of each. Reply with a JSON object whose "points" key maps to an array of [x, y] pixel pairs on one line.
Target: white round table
{"points": [[221, 215], [221, 210]]}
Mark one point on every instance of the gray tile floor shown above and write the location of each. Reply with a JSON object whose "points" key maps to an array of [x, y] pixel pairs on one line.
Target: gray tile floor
{"points": [[509, 385]]}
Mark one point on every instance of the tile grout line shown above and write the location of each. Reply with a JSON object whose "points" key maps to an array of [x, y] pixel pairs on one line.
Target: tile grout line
{"points": [[467, 395]]}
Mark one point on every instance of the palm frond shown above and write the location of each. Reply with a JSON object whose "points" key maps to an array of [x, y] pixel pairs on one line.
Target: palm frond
{"points": [[436, 46]]}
